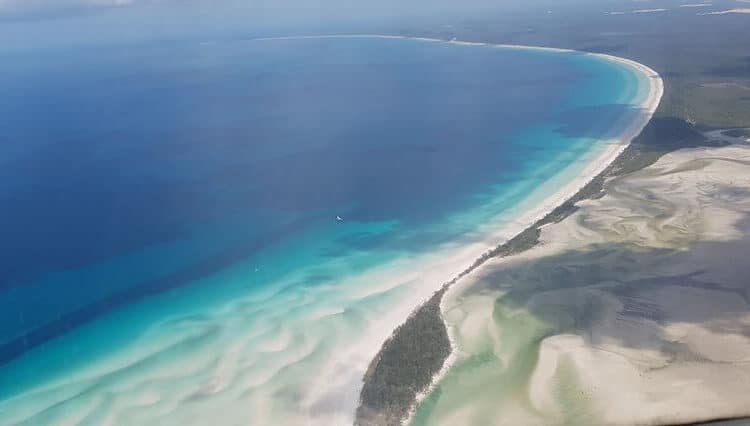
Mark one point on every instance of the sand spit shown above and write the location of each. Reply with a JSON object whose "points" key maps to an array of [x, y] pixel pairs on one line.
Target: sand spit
{"points": [[633, 310], [376, 405]]}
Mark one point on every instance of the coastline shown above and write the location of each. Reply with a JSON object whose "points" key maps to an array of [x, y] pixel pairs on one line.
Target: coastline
{"points": [[380, 301], [522, 229], [597, 167]]}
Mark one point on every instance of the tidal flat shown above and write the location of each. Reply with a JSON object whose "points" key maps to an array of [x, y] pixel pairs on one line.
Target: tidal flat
{"points": [[631, 310]]}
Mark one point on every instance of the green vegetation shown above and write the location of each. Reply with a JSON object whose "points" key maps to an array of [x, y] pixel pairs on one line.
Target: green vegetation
{"points": [[404, 367]]}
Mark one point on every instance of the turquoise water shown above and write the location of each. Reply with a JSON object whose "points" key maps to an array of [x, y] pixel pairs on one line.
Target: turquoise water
{"points": [[172, 250]]}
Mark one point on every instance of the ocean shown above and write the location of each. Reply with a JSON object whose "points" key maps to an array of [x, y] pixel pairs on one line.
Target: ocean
{"points": [[225, 232]]}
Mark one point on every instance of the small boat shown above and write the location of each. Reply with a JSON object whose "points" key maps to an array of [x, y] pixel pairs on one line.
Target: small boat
{"points": [[339, 219]]}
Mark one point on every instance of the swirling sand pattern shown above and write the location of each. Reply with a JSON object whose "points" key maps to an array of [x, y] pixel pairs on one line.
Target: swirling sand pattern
{"points": [[178, 375], [633, 310]]}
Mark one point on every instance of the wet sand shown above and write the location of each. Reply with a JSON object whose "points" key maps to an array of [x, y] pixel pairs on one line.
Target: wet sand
{"points": [[634, 309]]}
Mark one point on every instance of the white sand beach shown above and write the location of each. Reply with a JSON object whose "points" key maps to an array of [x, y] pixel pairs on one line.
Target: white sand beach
{"points": [[427, 275]]}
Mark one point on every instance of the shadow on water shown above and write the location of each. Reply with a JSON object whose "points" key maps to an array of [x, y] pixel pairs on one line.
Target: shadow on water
{"points": [[626, 272]]}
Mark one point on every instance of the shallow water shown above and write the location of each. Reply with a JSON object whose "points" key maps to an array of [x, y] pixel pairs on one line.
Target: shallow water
{"points": [[172, 253]]}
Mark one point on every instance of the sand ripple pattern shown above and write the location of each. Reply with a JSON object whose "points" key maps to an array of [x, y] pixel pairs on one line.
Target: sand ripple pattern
{"points": [[264, 358], [634, 310]]}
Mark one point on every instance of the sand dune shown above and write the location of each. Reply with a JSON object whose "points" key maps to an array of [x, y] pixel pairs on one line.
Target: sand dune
{"points": [[633, 310]]}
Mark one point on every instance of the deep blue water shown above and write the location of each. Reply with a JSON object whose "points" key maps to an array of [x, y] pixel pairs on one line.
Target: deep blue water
{"points": [[126, 173]]}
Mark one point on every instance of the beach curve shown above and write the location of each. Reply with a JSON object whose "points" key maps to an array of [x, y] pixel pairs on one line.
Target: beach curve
{"points": [[326, 396], [477, 255]]}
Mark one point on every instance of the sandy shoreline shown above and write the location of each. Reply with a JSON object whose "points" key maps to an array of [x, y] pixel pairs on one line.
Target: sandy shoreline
{"points": [[596, 167], [457, 261]]}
